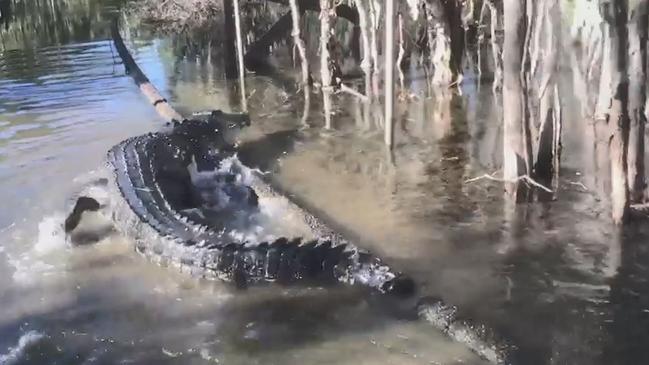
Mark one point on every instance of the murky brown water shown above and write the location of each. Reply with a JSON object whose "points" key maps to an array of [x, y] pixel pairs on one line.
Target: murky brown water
{"points": [[63, 103], [554, 277]]}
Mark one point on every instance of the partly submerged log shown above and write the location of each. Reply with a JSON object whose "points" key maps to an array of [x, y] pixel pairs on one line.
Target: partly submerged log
{"points": [[156, 99]]}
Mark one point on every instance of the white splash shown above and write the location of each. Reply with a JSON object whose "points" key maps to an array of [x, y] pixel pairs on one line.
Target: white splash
{"points": [[226, 190], [51, 236], [44, 257], [15, 353]]}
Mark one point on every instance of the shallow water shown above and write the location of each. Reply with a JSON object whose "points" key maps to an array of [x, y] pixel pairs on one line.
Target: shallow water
{"points": [[554, 277]]}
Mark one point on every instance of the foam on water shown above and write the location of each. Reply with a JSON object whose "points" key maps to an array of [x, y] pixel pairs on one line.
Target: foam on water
{"points": [[227, 188], [44, 257], [16, 353]]}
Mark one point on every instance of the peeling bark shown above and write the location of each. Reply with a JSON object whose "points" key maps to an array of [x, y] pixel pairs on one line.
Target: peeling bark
{"points": [[325, 71], [517, 153], [241, 68], [402, 52], [389, 71], [495, 20], [548, 143], [299, 43], [637, 66], [615, 14], [366, 63], [375, 16]]}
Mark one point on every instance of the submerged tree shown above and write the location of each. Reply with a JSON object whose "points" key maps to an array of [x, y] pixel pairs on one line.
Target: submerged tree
{"points": [[637, 64], [517, 159]]}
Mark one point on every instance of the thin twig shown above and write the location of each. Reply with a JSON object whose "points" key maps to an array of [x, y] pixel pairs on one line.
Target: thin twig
{"points": [[578, 183], [349, 90], [525, 178]]}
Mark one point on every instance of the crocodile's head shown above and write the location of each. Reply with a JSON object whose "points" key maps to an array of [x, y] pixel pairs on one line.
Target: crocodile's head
{"points": [[218, 131], [191, 147], [206, 141]]}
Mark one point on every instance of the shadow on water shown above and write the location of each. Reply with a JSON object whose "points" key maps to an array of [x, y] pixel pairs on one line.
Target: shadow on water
{"points": [[627, 327]]}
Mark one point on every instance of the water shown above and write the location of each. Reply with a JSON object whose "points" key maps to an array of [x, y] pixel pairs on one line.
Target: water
{"points": [[555, 277], [63, 103]]}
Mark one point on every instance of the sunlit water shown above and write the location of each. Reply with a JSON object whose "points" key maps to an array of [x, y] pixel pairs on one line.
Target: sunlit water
{"points": [[555, 277], [64, 100]]}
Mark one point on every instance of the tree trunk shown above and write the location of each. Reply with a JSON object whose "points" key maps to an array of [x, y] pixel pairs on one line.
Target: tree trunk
{"points": [[366, 63], [325, 71], [637, 33], [517, 152], [615, 14], [445, 40], [241, 68], [495, 20], [299, 43], [389, 71], [453, 11], [375, 16], [230, 46], [548, 145]]}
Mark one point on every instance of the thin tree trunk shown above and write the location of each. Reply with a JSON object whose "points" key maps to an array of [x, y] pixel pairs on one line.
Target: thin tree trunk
{"points": [[304, 63], [439, 43], [547, 154], [389, 71], [242, 69], [366, 63], [495, 19], [453, 15], [375, 16], [517, 153], [299, 43], [615, 14], [402, 51], [230, 46], [604, 94], [325, 71], [637, 32]]}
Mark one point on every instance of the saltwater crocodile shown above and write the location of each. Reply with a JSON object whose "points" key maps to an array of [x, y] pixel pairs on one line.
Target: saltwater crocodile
{"points": [[177, 216]]}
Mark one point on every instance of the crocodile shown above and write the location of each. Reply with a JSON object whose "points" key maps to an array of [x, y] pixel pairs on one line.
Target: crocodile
{"points": [[175, 192]]}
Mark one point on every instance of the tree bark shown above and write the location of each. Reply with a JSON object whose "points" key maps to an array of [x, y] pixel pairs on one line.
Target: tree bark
{"points": [[615, 14], [230, 45], [389, 71], [548, 145], [517, 158], [325, 71], [375, 16], [495, 20], [366, 63], [637, 33], [241, 68], [299, 43]]}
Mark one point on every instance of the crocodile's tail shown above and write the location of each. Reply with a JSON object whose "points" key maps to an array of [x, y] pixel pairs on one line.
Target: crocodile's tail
{"points": [[320, 262]]}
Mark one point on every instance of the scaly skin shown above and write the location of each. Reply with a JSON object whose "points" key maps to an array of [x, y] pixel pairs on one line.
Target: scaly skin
{"points": [[151, 178]]}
